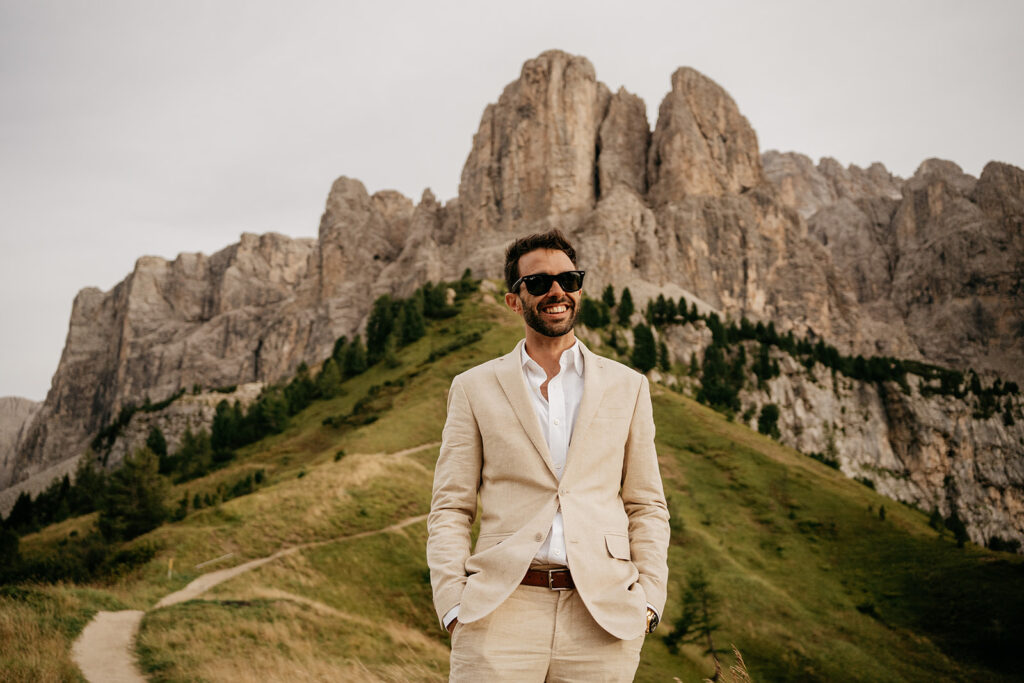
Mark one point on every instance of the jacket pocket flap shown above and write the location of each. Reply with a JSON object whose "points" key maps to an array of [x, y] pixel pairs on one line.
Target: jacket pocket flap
{"points": [[486, 541], [618, 546]]}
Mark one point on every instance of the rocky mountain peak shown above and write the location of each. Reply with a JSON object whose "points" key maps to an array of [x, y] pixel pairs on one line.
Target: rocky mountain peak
{"points": [[808, 187], [623, 141], [1000, 194], [934, 171], [702, 145], [533, 156]]}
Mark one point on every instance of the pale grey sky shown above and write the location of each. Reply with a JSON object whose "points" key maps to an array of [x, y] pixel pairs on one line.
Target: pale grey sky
{"points": [[137, 127]]}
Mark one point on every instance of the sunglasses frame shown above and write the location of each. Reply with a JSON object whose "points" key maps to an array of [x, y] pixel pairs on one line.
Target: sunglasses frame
{"points": [[525, 279]]}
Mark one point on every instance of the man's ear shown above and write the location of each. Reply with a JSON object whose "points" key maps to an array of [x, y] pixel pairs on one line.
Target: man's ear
{"points": [[513, 302]]}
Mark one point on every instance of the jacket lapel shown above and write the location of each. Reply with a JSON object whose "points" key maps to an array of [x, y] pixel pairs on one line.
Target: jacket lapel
{"points": [[593, 392], [509, 372]]}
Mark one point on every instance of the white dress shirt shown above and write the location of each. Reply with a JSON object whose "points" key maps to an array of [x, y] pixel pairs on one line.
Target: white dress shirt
{"points": [[557, 417]]}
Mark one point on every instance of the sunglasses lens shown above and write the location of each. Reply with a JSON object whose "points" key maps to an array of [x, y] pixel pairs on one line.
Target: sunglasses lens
{"points": [[570, 281], [538, 284]]}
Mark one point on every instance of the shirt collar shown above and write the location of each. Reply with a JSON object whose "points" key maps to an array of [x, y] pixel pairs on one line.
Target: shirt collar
{"points": [[572, 357]]}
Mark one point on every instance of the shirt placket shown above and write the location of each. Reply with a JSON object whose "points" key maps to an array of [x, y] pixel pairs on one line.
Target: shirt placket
{"points": [[557, 445]]}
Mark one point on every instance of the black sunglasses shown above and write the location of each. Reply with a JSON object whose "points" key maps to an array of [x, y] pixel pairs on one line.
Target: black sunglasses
{"points": [[540, 283]]}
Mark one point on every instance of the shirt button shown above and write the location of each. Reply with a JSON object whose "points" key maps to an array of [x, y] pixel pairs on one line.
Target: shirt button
{"points": [[556, 421], [558, 553], [538, 537]]}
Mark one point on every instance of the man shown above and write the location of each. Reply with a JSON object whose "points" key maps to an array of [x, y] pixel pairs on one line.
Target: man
{"points": [[569, 569]]}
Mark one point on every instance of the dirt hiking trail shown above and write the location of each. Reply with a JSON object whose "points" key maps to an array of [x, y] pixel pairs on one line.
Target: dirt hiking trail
{"points": [[105, 650]]}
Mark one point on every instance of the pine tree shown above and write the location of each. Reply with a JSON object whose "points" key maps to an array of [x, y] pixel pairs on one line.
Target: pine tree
{"points": [[390, 358], [156, 441], [134, 501], [378, 328], [21, 517], [413, 327], [355, 358], [625, 309], [959, 529], [300, 391], [669, 312], [660, 310], [328, 382], [10, 557], [591, 313], [224, 430], [608, 296], [338, 352], [697, 623], [90, 483], [194, 457], [645, 354], [663, 361], [768, 420]]}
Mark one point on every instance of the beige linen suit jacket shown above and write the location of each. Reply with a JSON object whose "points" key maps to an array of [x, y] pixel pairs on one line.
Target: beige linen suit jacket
{"points": [[611, 496]]}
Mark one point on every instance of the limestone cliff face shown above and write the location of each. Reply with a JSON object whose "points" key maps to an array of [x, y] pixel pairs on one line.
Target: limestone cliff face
{"points": [[15, 415], [189, 412], [935, 262], [534, 154], [929, 451], [249, 313], [808, 188], [702, 145]]}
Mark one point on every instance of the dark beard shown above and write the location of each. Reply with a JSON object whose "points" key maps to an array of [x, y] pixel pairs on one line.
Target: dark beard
{"points": [[533, 319]]}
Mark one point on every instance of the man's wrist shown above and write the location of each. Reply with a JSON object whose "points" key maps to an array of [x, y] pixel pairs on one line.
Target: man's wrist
{"points": [[449, 619]]}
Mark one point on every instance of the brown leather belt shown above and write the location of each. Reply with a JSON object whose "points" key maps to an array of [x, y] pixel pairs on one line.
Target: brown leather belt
{"points": [[555, 579]]}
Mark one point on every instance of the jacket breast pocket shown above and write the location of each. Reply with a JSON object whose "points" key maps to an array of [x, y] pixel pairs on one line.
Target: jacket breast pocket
{"points": [[618, 546]]}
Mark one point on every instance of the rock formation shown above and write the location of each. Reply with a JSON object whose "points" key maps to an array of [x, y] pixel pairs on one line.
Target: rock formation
{"points": [[15, 414], [928, 451], [926, 268], [936, 260]]}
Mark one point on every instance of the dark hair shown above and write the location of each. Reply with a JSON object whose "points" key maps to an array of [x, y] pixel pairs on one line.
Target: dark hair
{"points": [[553, 239]]}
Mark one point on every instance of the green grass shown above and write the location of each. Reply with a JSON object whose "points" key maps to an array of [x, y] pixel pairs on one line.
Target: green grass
{"points": [[812, 585]]}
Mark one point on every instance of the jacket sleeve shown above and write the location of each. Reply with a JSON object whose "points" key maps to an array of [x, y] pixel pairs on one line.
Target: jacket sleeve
{"points": [[644, 499], [453, 505]]}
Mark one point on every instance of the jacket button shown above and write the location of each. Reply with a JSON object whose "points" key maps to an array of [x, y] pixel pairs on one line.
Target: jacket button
{"points": [[538, 537]]}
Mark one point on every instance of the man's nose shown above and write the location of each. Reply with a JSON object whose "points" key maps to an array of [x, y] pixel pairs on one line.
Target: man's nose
{"points": [[556, 288]]}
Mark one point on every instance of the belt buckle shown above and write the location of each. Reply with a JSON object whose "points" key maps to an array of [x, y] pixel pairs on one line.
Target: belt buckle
{"points": [[551, 573]]}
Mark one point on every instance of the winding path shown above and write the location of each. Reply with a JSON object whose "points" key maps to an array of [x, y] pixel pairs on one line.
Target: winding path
{"points": [[104, 651]]}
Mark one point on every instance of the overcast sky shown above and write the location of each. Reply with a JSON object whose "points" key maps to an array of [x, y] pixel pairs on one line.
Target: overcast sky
{"points": [[153, 127]]}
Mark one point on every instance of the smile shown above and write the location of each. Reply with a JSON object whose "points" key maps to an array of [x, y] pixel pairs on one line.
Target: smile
{"points": [[557, 308]]}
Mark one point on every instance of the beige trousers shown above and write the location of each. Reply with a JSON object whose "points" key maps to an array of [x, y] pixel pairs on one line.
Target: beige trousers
{"points": [[538, 635]]}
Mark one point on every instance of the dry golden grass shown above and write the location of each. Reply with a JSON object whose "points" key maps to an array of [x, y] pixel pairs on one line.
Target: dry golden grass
{"points": [[37, 626], [283, 637]]}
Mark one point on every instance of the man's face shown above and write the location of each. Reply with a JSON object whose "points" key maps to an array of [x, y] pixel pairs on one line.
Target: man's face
{"points": [[552, 314]]}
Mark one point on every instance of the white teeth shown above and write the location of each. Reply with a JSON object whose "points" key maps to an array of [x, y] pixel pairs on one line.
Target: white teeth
{"points": [[557, 309]]}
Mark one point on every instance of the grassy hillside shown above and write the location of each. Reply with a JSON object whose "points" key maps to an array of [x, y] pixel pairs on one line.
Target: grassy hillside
{"points": [[811, 580]]}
